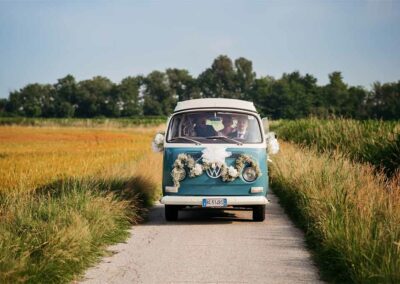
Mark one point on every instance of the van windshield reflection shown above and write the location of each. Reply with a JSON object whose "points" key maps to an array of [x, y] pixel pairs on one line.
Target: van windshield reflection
{"points": [[213, 127]]}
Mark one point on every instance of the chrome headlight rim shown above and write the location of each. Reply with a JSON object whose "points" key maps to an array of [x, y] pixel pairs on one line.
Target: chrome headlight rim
{"points": [[249, 177]]}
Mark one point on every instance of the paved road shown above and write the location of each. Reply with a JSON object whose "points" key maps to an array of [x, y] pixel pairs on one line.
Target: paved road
{"points": [[210, 247]]}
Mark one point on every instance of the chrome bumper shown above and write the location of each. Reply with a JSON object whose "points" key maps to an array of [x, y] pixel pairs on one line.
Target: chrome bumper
{"points": [[197, 200]]}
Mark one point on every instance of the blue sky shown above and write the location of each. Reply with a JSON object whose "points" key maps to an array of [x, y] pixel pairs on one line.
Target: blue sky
{"points": [[41, 41]]}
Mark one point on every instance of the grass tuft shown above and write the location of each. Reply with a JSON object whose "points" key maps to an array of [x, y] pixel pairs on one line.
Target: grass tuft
{"points": [[56, 232]]}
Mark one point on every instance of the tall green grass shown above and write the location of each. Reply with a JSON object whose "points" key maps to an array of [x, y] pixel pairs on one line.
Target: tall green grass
{"points": [[53, 234], [350, 214], [84, 122], [373, 141]]}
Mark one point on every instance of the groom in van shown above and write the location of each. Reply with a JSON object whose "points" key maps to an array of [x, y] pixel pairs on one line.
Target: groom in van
{"points": [[241, 129]]}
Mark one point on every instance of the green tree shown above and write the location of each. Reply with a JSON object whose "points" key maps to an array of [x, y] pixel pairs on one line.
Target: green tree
{"points": [[219, 80], [66, 89], [245, 78], [261, 95], [158, 98], [356, 103], [3, 104], [182, 85], [335, 94], [292, 96], [384, 100], [64, 109], [93, 96], [289, 97], [128, 96], [30, 100], [298, 91]]}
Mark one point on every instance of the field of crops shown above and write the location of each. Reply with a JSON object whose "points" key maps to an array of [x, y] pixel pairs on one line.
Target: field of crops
{"points": [[332, 189], [85, 122], [67, 192]]}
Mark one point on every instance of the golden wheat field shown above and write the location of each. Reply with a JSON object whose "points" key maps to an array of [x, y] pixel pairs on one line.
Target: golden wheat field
{"points": [[68, 192], [35, 156]]}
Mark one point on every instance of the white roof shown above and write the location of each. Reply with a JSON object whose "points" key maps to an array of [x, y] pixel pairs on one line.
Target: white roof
{"points": [[215, 103]]}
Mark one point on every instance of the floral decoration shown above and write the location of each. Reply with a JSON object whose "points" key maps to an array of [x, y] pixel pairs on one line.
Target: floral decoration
{"points": [[272, 143], [228, 173], [158, 143], [178, 172]]}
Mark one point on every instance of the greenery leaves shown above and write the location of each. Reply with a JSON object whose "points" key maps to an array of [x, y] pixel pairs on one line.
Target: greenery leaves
{"points": [[292, 96]]}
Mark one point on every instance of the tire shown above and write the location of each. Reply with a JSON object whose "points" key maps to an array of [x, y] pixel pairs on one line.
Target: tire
{"points": [[259, 213], [171, 212]]}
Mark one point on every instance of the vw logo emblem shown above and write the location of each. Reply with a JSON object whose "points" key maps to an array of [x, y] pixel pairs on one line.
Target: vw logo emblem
{"points": [[214, 172]]}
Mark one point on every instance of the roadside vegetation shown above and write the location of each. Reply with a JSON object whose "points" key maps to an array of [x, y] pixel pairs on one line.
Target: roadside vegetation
{"points": [[350, 214], [372, 141], [67, 193], [339, 180]]}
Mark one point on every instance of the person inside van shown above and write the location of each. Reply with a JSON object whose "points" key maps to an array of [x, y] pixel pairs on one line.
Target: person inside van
{"points": [[241, 131], [202, 129], [228, 128]]}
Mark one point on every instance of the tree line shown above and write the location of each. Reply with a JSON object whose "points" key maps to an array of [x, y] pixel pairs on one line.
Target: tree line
{"points": [[292, 96]]}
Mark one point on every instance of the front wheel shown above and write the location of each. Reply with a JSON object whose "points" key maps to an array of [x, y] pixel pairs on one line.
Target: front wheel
{"points": [[259, 213], [171, 212]]}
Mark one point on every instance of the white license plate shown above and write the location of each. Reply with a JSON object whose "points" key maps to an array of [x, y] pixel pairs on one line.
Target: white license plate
{"points": [[214, 202]]}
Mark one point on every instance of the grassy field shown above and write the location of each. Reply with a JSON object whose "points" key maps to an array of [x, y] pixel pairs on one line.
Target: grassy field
{"points": [[351, 215], [332, 177], [66, 193], [85, 122], [373, 141]]}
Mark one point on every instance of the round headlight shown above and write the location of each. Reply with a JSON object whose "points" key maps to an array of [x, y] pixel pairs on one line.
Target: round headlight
{"points": [[249, 174]]}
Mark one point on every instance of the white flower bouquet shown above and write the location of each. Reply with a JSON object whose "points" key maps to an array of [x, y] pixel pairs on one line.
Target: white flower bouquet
{"points": [[158, 143], [272, 144]]}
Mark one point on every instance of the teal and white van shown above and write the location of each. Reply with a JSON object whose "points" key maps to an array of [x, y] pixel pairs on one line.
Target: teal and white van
{"points": [[214, 156]]}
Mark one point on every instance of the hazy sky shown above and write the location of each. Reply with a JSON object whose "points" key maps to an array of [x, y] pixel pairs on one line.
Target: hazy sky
{"points": [[41, 41]]}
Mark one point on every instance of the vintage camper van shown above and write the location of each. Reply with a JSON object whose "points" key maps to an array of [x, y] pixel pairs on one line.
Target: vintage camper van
{"points": [[214, 156]]}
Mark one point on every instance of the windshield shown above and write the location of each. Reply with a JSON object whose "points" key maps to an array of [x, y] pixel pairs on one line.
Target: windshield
{"points": [[214, 127]]}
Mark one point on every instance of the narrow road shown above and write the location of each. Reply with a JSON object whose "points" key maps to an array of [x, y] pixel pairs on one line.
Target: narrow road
{"points": [[210, 247]]}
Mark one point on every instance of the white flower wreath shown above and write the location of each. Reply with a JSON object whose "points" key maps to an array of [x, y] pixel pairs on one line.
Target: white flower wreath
{"points": [[195, 169], [178, 172]]}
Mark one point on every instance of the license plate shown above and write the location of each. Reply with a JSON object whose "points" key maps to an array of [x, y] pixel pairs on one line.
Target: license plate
{"points": [[214, 202]]}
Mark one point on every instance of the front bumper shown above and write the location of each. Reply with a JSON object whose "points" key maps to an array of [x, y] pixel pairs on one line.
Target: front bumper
{"points": [[197, 200]]}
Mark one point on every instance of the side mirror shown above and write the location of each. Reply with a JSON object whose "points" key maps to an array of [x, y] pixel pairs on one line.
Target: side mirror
{"points": [[158, 143], [265, 125]]}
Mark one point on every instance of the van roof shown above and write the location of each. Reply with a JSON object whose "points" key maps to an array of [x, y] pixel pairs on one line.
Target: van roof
{"points": [[215, 103]]}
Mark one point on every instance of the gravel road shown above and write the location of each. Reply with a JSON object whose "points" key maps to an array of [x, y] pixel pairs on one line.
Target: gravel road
{"points": [[210, 247]]}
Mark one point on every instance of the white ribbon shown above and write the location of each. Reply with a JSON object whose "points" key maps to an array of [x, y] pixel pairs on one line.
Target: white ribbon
{"points": [[215, 155]]}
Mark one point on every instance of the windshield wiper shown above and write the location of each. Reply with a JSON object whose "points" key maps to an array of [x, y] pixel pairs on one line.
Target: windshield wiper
{"points": [[185, 138], [224, 137]]}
